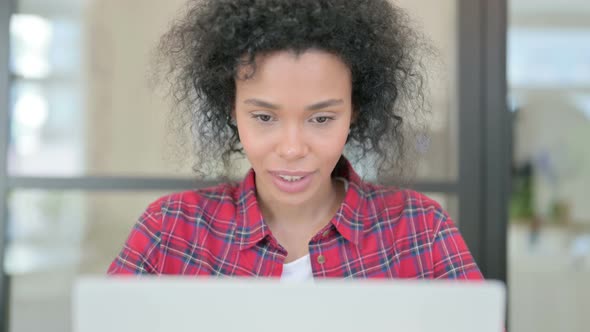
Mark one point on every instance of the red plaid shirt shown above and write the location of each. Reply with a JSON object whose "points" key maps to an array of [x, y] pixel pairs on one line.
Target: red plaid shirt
{"points": [[378, 232]]}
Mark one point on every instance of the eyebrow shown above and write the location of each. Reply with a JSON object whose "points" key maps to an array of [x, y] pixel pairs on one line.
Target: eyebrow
{"points": [[314, 107]]}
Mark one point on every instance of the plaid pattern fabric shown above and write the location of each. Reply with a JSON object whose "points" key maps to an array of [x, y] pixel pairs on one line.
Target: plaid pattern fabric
{"points": [[378, 232]]}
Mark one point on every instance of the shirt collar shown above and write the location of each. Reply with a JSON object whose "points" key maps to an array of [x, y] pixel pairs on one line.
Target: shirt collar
{"points": [[350, 220]]}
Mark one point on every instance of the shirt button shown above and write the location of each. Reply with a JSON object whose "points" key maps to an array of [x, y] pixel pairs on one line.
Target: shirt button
{"points": [[321, 259], [326, 233]]}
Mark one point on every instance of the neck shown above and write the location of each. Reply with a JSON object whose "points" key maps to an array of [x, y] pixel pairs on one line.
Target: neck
{"points": [[313, 213]]}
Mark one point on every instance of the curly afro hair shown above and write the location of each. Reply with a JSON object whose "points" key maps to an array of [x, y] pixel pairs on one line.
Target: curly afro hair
{"points": [[200, 54]]}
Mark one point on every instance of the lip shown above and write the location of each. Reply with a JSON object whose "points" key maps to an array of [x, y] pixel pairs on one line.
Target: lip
{"points": [[290, 173], [291, 187]]}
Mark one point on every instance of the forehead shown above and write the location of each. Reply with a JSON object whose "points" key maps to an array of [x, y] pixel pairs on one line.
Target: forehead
{"points": [[311, 73]]}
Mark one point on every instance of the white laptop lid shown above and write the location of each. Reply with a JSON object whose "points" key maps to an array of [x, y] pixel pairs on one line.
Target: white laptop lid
{"points": [[164, 304]]}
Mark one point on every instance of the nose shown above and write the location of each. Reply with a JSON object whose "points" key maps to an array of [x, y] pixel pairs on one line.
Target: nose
{"points": [[292, 145]]}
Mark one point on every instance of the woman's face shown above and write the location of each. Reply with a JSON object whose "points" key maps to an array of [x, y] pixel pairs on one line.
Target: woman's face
{"points": [[293, 119]]}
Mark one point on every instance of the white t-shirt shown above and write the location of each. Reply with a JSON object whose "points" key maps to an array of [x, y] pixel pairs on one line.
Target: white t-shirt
{"points": [[300, 269]]}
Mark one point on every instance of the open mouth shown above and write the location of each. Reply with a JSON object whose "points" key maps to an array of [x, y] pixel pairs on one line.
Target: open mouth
{"points": [[292, 183], [290, 178]]}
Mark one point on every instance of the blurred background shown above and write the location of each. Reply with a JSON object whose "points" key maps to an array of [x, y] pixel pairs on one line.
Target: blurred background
{"points": [[85, 146]]}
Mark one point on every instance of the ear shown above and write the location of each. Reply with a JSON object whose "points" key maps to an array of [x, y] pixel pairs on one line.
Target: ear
{"points": [[232, 116], [354, 116]]}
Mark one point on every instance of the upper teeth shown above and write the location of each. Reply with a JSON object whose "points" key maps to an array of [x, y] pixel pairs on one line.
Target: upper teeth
{"points": [[291, 178]]}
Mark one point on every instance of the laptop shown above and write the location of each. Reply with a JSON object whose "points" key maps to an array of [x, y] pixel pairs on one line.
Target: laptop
{"points": [[181, 304]]}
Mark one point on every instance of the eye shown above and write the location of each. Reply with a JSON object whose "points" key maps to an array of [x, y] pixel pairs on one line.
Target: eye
{"points": [[322, 119], [262, 117]]}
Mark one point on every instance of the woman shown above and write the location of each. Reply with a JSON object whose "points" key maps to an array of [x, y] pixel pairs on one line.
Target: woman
{"points": [[291, 84]]}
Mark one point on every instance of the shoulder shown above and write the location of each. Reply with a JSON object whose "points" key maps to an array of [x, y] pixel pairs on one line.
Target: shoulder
{"points": [[399, 200], [171, 224], [403, 207], [210, 203]]}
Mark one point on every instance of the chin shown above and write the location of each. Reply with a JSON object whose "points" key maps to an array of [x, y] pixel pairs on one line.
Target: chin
{"points": [[293, 199]]}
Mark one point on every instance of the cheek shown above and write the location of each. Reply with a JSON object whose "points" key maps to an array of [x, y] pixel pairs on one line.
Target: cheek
{"points": [[332, 142], [253, 143]]}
